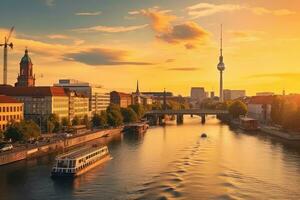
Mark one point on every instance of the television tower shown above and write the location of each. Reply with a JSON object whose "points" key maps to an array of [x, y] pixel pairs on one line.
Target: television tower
{"points": [[221, 66]]}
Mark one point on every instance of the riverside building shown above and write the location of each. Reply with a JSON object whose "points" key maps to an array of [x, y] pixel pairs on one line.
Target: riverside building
{"points": [[10, 110]]}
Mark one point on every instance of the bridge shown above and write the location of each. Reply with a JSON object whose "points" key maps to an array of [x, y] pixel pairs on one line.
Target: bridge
{"points": [[159, 115]]}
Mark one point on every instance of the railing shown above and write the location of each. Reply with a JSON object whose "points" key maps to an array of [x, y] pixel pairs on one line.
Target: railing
{"points": [[188, 111]]}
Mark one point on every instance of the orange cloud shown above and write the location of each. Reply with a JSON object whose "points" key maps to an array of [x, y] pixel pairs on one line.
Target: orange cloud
{"points": [[111, 29], [207, 9], [189, 33]]}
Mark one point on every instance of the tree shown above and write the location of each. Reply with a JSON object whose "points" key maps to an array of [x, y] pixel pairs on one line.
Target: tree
{"points": [[75, 121], [237, 108], [23, 130], [13, 132], [138, 109], [53, 118], [114, 118], [86, 121], [129, 116], [50, 126], [99, 120], [277, 109], [1, 135]]}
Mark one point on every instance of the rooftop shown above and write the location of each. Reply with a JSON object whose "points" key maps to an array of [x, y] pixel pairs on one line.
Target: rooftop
{"points": [[77, 153], [7, 99], [39, 91], [261, 100]]}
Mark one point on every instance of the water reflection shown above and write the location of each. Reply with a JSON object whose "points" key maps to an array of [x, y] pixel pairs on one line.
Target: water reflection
{"points": [[171, 162]]}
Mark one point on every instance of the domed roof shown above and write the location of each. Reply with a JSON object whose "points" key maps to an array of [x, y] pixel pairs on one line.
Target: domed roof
{"points": [[26, 58]]}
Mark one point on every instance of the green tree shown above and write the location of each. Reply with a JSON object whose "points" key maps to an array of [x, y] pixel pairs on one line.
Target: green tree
{"points": [[23, 130], [86, 121], [99, 120], [1, 135], [75, 121], [50, 126], [129, 116], [114, 118], [53, 118], [237, 108], [138, 109]]}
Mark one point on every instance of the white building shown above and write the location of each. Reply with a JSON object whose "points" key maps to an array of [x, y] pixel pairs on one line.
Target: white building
{"points": [[78, 105], [99, 98], [259, 107], [233, 94]]}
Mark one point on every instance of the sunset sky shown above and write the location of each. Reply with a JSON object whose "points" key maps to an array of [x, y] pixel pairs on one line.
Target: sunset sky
{"points": [[165, 44]]}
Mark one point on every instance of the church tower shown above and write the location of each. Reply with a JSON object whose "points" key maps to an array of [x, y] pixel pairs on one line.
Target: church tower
{"points": [[25, 78]]}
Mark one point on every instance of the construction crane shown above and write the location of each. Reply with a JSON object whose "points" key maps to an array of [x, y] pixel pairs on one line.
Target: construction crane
{"points": [[6, 44]]}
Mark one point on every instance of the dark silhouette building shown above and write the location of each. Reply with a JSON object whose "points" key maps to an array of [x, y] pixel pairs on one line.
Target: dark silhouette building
{"points": [[26, 78]]}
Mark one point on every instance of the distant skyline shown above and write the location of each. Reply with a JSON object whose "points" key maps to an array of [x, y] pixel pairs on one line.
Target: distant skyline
{"points": [[160, 43]]}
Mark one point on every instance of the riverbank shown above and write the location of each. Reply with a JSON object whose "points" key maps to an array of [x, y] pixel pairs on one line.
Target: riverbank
{"points": [[272, 130], [55, 146]]}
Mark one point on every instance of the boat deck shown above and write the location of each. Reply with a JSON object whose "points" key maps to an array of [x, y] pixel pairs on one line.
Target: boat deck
{"points": [[79, 152]]}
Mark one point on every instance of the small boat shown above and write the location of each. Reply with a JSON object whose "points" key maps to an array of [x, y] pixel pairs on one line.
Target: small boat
{"points": [[248, 124], [79, 161], [203, 135]]}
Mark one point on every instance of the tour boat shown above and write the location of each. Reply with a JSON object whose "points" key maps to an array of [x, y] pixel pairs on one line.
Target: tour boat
{"points": [[79, 161]]}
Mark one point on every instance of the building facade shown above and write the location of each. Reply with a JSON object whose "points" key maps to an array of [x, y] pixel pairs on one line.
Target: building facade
{"points": [[122, 99], [198, 94], [233, 94], [264, 93], [40, 102], [10, 110], [259, 107], [99, 98], [26, 78], [140, 98], [78, 105]]}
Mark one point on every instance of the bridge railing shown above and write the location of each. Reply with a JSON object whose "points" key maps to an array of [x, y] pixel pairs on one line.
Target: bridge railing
{"points": [[188, 111]]}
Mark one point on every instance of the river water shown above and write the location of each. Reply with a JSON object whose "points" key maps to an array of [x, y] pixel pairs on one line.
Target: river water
{"points": [[171, 162]]}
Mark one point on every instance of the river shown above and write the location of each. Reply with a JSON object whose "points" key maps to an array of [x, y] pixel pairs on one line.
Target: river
{"points": [[171, 162]]}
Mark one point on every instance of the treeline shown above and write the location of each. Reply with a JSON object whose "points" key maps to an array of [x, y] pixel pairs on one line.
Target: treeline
{"points": [[115, 116], [286, 113], [236, 108]]}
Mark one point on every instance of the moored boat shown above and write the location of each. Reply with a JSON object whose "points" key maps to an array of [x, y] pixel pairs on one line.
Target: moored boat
{"points": [[248, 124], [79, 161]]}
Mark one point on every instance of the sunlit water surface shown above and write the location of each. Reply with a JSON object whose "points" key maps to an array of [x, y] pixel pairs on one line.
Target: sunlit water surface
{"points": [[171, 162]]}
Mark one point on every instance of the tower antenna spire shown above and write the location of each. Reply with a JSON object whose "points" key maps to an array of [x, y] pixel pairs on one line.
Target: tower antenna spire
{"points": [[221, 41]]}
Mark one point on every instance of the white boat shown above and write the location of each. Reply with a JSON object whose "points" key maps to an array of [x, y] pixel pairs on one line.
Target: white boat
{"points": [[79, 161]]}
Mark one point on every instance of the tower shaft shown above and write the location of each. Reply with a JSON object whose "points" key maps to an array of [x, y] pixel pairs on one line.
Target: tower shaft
{"points": [[221, 86]]}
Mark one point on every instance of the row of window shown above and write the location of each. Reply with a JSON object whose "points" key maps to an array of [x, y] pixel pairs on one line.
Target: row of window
{"points": [[10, 117], [11, 108]]}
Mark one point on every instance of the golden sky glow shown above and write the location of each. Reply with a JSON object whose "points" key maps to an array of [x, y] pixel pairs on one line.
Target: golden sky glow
{"points": [[161, 44]]}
